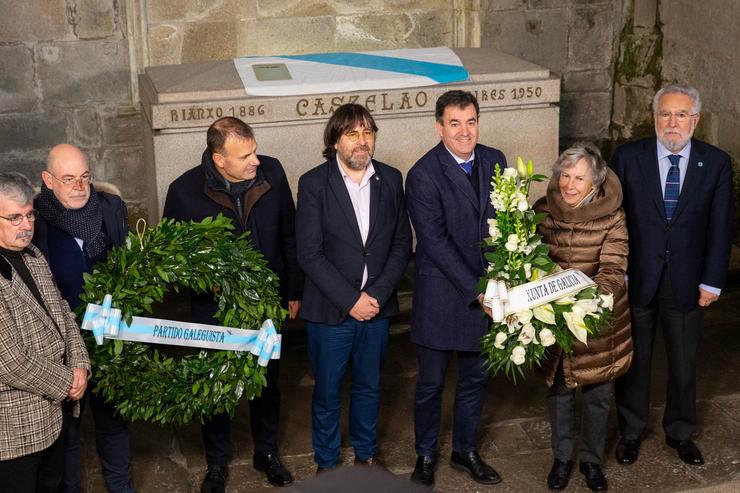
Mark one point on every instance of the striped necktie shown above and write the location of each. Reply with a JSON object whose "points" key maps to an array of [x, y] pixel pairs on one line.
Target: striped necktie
{"points": [[467, 167], [672, 186]]}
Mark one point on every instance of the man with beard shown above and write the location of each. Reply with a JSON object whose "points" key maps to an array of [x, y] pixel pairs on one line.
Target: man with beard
{"points": [[354, 241], [251, 190], [678, 200], [43, 361], [77, 226]]}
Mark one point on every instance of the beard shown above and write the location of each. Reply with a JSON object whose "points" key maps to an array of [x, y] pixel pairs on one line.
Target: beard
{"points": [[357, 163], [679, 139]]}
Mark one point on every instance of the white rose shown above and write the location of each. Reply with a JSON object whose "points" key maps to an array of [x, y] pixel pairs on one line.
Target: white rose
{"points": [[501, 337], [527, 334], [509, 173], [546, 337], [607, 301], [512, 243], [524, 316], [545, 313], [528, 270], [518, 355]]}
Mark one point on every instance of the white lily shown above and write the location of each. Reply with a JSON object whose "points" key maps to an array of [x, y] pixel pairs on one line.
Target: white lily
{"points": [[576, 325], [607, 301], [545, 313]]}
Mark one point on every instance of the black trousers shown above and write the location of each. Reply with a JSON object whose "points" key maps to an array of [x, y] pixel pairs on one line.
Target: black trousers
{"points": [[40, 472], [681, 334], [264, 417], [561, 406], [470, 394]]}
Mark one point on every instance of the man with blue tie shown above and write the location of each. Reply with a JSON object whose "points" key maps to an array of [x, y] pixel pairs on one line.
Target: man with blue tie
{"points": [[678, 200], [447, 192]]}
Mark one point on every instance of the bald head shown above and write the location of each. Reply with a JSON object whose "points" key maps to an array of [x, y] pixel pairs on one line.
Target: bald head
{"points": [[67, 175]]}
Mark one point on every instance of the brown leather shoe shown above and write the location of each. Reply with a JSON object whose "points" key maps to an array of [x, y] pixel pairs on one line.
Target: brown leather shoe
{"points": [[372, 461]]}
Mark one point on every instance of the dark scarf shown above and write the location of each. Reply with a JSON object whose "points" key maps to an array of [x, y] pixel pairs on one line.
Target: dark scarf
{"points": [[216, 181], [85, 223]]}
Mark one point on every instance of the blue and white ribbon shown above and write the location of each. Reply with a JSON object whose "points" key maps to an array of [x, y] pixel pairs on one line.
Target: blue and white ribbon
{"points": [[105, 323]]}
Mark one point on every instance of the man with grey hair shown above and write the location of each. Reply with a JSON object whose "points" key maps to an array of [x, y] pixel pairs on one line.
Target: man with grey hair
{"points": [[43, 361], [77, 226], [678, 200]]}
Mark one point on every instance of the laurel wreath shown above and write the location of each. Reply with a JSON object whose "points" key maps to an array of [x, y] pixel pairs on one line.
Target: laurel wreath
{"points": [[167, 384]]}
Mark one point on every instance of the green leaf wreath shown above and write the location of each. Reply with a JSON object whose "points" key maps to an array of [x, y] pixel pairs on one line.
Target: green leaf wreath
{"points": [[167, 384]]}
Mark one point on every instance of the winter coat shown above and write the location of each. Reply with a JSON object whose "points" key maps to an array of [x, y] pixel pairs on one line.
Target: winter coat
{"points": [[593, 239]]}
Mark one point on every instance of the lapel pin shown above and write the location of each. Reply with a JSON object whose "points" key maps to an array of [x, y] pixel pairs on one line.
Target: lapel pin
{"points": [[377, 178], [700, 164]]}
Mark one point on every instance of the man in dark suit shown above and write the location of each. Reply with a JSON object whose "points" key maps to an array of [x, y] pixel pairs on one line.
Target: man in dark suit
{"points": [[678, 200], [253, 192], [353, 242], [448, 198]]}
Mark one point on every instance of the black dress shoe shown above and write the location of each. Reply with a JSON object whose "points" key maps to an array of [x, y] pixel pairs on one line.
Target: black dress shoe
{"points": [[687, 451], [559, 475], [270, 464], [595, 479], [424, 470], [628, 451], [473, 464], [215, 480]]}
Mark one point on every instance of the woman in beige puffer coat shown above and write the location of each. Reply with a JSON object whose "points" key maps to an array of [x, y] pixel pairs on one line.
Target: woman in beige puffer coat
{"points": [[586, 230]]}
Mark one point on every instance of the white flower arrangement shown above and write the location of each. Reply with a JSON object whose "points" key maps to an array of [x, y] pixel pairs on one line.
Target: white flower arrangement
{"points": [[516, 256]]}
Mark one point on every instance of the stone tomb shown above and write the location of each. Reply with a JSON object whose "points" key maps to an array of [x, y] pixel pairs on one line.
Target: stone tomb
{"points": [[518, 114]]}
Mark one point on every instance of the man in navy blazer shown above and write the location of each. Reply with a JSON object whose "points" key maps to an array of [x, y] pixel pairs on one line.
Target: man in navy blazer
{"points": [[678, 200], [353, 244], [447, 192]]}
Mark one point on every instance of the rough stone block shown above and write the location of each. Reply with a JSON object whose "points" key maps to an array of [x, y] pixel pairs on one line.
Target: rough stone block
{"points": [[313, 8], [645, 13], [590, 40], [584, 115], [587, 81], [94, 18], [548, 4], [728, 129], [373, 32], [267, 36], [165, 44], [494, 5], [31, 164], [28, 132], [431, 29], [208, 41], [200, 10], [122, 126], [16, 79], [84, 71], [85, 128], [33, 20], [537, 36], [125, 168]]}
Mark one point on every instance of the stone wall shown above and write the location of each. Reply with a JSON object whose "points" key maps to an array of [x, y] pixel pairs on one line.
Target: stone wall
{"points": [[575, 40], [65, 76]]}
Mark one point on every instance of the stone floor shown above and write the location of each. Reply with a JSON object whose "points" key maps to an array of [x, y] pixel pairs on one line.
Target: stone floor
{"points": [[514, 436]]}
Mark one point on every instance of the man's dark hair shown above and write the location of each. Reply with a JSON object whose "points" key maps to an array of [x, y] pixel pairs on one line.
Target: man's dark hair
{"points": [[222, 128], [461, 99], [344, 119]]}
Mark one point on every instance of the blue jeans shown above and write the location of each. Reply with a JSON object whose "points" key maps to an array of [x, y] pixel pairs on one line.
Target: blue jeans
{"points": [[330, 349]]}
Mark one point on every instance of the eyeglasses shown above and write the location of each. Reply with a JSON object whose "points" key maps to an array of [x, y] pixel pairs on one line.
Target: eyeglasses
{"points": [[69, 181], [681, 116], [16, 219], [354, 135]]}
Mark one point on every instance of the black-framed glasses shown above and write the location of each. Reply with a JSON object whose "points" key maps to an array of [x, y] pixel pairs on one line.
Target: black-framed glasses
{"points": [[16, 219], [681, 116], [69, 181], [354, 135]]}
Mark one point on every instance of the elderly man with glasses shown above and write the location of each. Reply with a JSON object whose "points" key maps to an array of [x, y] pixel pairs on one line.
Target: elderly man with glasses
{"points": [[77, 226], [43, 361], [678, 200]]}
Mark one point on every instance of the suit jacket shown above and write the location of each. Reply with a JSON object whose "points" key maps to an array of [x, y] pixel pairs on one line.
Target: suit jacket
{"points": [[268, 213], [36, 358], [450, 220], [695, 244], [330, 248]]}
